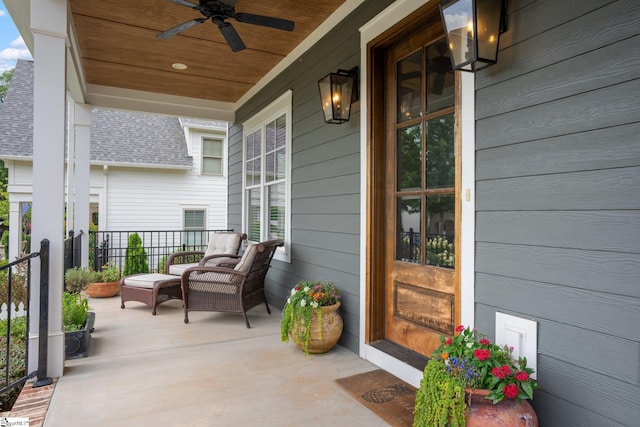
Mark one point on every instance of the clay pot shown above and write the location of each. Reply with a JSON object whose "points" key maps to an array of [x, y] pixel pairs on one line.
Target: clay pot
{"points": [[331, 326], [103, 289], [507, 413]]}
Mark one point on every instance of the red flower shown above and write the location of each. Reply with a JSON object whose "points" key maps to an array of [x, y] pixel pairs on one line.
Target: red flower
{"points": [[460, 328], [448, 341], [484, 341], [510, 391], [521, 376], [501, 372], [482, 354]]}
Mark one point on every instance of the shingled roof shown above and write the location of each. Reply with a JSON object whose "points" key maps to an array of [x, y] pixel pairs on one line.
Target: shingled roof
{"points": [[117, 136]]}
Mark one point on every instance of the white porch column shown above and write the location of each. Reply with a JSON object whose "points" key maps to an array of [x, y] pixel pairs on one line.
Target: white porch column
{"points": [[82, 171], [15, 232], [49, 26], [71, 167]]}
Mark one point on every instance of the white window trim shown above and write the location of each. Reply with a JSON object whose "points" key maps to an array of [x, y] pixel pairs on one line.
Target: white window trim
{"points": [[223, 153], [186, 208], [280, 106]]}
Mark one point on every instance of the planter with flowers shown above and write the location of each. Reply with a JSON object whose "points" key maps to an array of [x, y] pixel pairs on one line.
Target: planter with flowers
{"points": [[471, 382], [310, 317]]}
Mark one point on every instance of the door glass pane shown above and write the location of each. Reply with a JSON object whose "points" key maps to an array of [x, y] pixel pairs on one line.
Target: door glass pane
{"points": [[409, 76], [254, 215], [440, 164], [408, 219], [441, 231], [409, 158], [276, 211], [440, 77]]}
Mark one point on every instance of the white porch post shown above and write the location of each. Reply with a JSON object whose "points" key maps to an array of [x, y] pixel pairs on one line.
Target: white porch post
{"points": [[49, 27], [71, 167], [82, 171], [15, 232]]}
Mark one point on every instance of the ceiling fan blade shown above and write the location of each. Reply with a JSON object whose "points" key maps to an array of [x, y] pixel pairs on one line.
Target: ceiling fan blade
{"points": [[265, 21], [231, 36], [185, 3], [178, 28], [230, 3]]}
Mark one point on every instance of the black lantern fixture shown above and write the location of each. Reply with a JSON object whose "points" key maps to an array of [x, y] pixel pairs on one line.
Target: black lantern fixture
{"points": [[337, 92], [473, 29]]}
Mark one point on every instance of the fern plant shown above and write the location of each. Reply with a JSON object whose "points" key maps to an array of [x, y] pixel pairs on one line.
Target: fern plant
{"points": [[136, 257]]}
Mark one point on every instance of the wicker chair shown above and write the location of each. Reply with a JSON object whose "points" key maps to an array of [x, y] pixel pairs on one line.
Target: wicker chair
{"points": [[223, 248], [226, 289]]}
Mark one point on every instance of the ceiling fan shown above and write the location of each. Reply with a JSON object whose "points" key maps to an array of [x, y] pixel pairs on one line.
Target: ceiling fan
{"points": [[218, 11]]}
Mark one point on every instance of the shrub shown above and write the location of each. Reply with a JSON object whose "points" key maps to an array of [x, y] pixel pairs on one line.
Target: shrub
{"points": [[17, 354], [76, 279], [136, 257]]}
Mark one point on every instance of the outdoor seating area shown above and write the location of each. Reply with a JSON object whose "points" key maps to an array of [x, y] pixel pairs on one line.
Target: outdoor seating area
{"points": [[226, 289], [155, 370]]}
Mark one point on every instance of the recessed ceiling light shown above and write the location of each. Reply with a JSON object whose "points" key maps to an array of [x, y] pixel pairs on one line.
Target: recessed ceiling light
{"points": [[179, 66]]}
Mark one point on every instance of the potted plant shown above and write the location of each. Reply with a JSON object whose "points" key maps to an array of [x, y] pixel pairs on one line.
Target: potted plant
{"points": [[76, 279], [78, 323], [104, 283], [470, 380], [310, 317]]}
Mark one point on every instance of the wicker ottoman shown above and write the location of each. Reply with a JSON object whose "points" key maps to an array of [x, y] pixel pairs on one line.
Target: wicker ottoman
{"points": [[151, 289]]}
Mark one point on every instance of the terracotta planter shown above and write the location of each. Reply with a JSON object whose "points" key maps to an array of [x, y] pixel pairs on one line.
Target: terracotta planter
{"points": [[509, 412], [331, 327], [103, 289]]}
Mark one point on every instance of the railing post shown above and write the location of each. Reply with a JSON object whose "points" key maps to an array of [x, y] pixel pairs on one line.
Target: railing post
{"points": [[43, 334]]}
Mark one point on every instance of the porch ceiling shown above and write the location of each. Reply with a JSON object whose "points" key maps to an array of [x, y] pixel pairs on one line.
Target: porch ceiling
{"points": [[119, 62]]}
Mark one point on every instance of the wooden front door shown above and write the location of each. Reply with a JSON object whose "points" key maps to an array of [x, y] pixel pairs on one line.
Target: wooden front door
{"points": [[421, 192]]}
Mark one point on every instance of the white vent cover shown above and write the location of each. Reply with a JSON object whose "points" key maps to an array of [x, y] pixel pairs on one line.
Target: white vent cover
{"points": [[521, 334]]}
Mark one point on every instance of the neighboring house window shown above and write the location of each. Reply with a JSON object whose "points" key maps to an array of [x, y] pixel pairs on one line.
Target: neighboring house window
{"points": [[267, 171], [212, 156], [194, 219]]}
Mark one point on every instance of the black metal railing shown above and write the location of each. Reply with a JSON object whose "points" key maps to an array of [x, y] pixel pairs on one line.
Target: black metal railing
{"points": [[73, 250], [111, 246], [16, 289]]}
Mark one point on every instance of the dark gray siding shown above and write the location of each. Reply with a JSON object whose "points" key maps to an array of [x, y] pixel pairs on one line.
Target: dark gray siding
{"points": [[558, 201], [325, 201]]}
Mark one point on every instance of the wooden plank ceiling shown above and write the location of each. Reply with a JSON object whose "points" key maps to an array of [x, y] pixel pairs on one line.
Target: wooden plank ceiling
{"points": [[119, 48]]}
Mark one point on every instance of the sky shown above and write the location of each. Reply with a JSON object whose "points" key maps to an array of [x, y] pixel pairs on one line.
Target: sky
{"points": [[12, 46]]}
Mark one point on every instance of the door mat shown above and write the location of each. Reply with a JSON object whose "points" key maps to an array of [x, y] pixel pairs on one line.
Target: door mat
{"points": [[388, 397]]}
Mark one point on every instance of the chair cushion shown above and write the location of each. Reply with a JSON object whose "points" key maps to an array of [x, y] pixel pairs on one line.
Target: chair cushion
{"points": [[178, 269], [148, 280], [247, 258], [223, 243]]}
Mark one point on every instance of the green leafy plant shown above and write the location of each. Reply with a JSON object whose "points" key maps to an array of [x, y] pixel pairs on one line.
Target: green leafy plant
{"points": [[136, 257], [468, 360], [306, 298], [75, 310], [76, 279], [108, 273], [17, 354]]}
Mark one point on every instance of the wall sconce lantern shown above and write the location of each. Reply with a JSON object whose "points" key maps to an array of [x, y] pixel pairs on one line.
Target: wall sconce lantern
{"points": [[473, 29], [337, 92]]}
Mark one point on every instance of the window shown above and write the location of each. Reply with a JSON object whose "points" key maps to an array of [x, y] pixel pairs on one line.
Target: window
{"points": [[212, 156], [267, 170], [194, 219]]}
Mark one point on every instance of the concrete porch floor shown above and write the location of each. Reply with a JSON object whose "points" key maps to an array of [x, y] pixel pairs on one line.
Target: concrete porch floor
{"points": [[146, 370]]}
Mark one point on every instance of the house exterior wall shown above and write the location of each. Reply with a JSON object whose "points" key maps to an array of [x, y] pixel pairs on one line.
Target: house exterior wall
{"points": [[558, 202], [136, 198], [325, 174]]}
